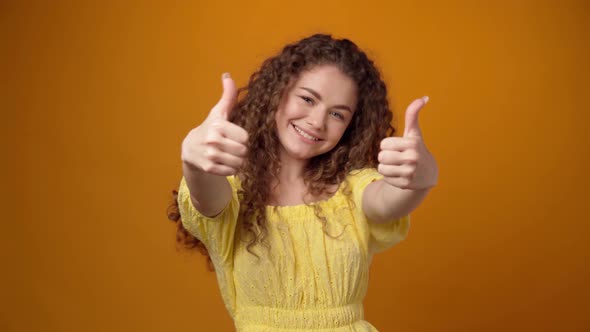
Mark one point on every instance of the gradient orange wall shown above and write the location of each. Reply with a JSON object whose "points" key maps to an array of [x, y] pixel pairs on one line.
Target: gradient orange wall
{"points": [[99, 97]]}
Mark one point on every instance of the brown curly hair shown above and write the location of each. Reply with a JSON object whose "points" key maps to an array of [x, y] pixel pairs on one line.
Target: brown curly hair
{"points": [[255, 112]]}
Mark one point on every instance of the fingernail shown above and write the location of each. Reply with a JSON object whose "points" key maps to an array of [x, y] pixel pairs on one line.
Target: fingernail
{"points": [[225, 75], [425, 98]]}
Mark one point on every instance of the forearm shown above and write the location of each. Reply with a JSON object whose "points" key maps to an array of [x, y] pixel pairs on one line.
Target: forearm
{"points": [[383, 202], [210, 193]]}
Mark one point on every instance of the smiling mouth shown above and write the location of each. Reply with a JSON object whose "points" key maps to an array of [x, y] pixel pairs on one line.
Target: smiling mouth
{"points": [[306, 135]]}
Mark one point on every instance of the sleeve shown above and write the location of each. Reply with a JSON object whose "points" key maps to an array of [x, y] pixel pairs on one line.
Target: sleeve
{"points": [[216, 233], [382, 236]]}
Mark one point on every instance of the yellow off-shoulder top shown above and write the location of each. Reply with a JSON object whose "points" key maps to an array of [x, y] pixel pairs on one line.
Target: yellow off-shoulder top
{"points": [[304, 280]]}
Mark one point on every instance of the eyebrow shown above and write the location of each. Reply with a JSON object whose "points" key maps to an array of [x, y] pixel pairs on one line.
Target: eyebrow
{"points": [[317, 95]]}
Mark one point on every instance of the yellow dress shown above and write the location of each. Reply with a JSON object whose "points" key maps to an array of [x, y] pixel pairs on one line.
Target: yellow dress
{"points": [[305, 280]]}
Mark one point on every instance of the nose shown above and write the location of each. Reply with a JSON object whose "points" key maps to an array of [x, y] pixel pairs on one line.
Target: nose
{"points": [[317, 119]]}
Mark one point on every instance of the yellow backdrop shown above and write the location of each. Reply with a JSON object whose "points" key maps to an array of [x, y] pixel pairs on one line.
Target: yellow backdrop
{"points": [[98, 97]]}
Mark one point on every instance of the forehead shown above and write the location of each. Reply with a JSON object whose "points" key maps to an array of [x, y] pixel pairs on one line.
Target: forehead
{"points": [[331, 83]]}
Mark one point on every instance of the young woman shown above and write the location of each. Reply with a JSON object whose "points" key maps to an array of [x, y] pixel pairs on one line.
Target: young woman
{"points": [[294, 182]]}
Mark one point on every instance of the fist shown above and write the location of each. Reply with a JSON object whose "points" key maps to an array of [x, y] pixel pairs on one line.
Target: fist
{"points": [[217, 146], [405, 162]]}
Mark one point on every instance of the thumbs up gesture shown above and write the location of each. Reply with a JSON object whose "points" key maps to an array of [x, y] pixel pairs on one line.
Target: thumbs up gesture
{"points": [[217, 146], [405, 162]]}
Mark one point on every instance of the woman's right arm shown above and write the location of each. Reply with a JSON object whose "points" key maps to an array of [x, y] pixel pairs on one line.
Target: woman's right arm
{"points": [[215, 149]]}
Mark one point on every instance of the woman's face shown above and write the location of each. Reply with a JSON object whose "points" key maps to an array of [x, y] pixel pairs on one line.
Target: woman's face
{"points": [[315, 111]]}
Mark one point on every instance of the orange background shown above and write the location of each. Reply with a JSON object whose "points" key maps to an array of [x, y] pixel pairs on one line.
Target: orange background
{"points": [[98, 98]]}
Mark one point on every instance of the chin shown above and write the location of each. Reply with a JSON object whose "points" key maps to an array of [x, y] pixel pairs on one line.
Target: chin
{"points": [[304, 154], [300, 155]]}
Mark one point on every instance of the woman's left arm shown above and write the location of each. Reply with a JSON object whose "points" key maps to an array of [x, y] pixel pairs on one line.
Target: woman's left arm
{"points": [[409, 172]]}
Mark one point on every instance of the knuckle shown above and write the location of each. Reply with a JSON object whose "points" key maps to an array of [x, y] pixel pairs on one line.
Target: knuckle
{"points": [[208, 167], [188, 140], [380, 168], [245, 137], [243, 151], [217, 124], [211, 138], [405, 183], [384, 143], [186, 158], [217, 170], [409, 141], [192, 132], [210, 153], [412, 157]]}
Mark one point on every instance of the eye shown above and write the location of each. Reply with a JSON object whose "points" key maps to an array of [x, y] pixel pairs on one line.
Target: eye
{"points": [[337, 115], [307, 100]]}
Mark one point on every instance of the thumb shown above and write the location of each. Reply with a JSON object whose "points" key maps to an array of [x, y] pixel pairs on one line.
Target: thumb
{"points": [[228, 98], [412, 128]]}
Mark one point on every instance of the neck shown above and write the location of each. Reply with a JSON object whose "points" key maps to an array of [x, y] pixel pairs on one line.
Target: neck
{"points": [[291, 168]]}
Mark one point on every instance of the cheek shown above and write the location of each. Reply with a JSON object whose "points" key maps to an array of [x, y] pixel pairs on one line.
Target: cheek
{"points": [[342, 126], [279, 115], [291, 109], [281, 123], [340, 130]]}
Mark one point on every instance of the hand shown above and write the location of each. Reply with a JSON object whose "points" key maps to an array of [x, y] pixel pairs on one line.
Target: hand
{"points": [[217, 146], [405, 162]]}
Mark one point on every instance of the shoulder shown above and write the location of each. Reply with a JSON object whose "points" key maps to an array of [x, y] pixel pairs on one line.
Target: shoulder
{"points": [[362, 177], [357, 181], [234, 182]]}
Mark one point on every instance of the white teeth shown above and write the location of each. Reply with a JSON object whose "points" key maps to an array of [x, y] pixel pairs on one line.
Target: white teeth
{"points": [[304, 134]]}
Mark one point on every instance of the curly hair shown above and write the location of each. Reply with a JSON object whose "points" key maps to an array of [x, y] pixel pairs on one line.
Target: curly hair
{"points": [[255, 112]]}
